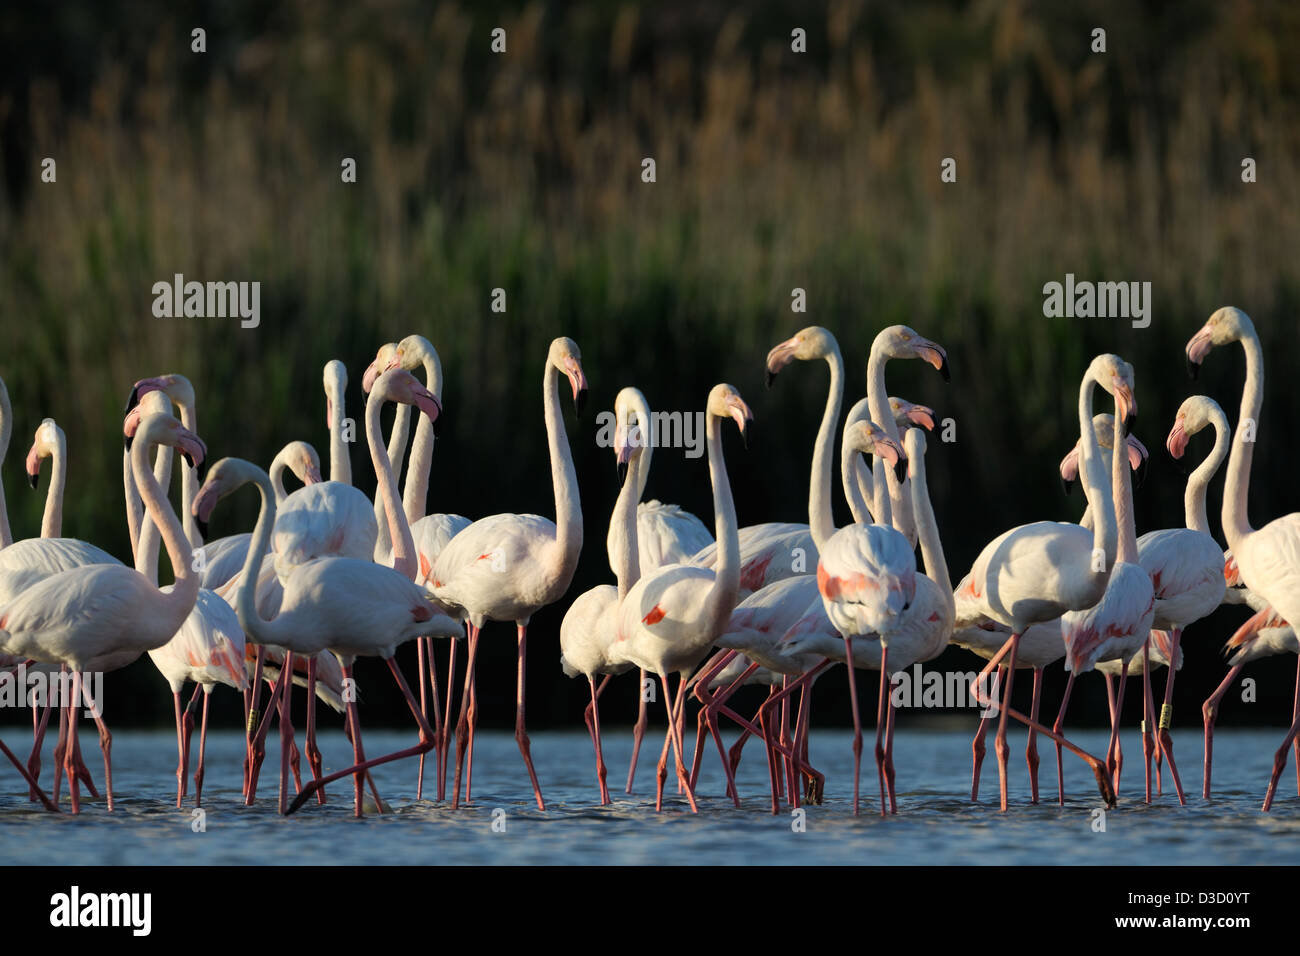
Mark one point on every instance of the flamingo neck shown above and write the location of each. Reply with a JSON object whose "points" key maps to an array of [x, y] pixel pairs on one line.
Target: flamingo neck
{"points": [[1236, 521], [564, 481], [278, 465], [1194, 511], [148, 540], [621, 543], [721, 600], [936, 565], [1092, 473], [340, 461], [415, 498], [647, 443], [1126, 549], [887, 485], [259, 630], [134, 506], [177, 603], [821, 521], [52, 519], [853, 474], [6, 433], [396, 455], [399, 529], [189, 481]]}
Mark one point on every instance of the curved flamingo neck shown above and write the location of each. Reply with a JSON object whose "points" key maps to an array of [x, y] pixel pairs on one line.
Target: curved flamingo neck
{"points": [[851, 464], [52, 519], [134, 506], [821, 521], [1092, 473], [936, 565], [179, 601], [396, 455], [622, 543], [149, 540], [1194, 511], [260, 630], [415, 497], [1236, 520], [885, 482], [564, 481], [6, 433], [399, 530], [189, 480], [1126, 549], [721, 600], [647, 442]]}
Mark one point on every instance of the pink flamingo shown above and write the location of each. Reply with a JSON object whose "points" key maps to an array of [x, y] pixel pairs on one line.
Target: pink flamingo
{"points": [[1036, 572], [102, 617], [506, 567], [672, 616], [1268, 558]]}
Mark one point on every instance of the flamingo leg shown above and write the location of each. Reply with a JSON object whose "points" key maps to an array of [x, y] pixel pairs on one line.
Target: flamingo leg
{"points": [[521, 735], [83, 772], [70, 767], [203, 747], [889, 746], [38, 741], [60, 750], [601, 772], [638, 731], [857, 722], [1000, 740], [1210, 711], [259, 738], [180, 749], [26, 775], [1279, 762], [425, 744], [708, 714], [977, 750], [1148, 743], [424, 708], [791, 785], [286, 728], [435, 703], [444, 738], [1031, 745], [105, 746], [252, 717], [313, 749], [462, 724], [1115, 747]]}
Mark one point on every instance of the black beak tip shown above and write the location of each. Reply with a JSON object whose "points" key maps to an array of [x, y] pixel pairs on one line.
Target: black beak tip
{"points": [[1130, 422], [1193, 369], [126, 442], [621, 470], [900, 470], [768, 378], [437, 423], [1141, 474], [1067, 487], [188, 460], [943, 370], [580, 401], [32, 479], [132, 400], [744, 434], [203, 527]]}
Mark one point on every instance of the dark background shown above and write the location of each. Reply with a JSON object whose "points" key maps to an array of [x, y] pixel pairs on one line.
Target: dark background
{"points": [[522, 171]]}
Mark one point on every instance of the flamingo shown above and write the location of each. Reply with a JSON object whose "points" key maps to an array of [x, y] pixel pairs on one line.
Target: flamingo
{"points": [[1267, 558], [350, 606], [102, 617], [875, 599], [6, 433], [1186, 564], [1035, 572], [507, 567], [430, 531], [588, 643], [672, 616]]}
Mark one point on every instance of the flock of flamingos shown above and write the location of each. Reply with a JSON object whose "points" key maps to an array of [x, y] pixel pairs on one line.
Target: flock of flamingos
{"points": [[327, 575]]}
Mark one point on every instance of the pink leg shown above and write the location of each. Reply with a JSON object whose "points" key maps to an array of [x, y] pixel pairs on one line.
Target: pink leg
{"points": [[638, 732], [978, 750], [70, 767], [462, 724], [252, 718], [313, 749], [1279, 763], [1148, 743], [38, 741], [882, 715], [31, 783], [1115, 748], [203, 748], [286, 729], [424, 708], [889, 746], [180, 749], [1031, 746], [259, 738], [521, 736], [1209, 711], [1000, 740], [444, 737], [601, 772], [1056, 728], [857, 722]]}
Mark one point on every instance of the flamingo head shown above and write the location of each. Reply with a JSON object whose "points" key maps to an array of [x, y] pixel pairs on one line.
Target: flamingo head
{"points": [[567, 359], [378, 366], [901, 342], [725, 402], [160, 428], [1196, 413], [814, 342], [868, 438], [176, 387], [1103, 426], [632, 429], [302, 461], [223, 478], [151, 403], [336, 383], [909, 413], [1227, 324], [399, 385], [49, 437]]}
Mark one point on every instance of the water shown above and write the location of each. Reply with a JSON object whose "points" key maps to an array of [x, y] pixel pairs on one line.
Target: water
{"points": [[935, 823]]}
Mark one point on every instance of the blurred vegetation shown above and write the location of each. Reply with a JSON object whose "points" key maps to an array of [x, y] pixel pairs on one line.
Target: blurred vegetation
{"points": [[522, 171]]}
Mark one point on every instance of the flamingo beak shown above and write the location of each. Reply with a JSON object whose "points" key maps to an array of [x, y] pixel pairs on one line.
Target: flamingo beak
{"points": [[578, 382], [742, 416], [368, 379], [312, 475], [892, 454], [428, 403], [1137, 460], [1178, 439], [923, 416], [142, 388], [1069, 470], [129, 427], [935, 354], [1125, 404], [1197, 348], [777, 359]]}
